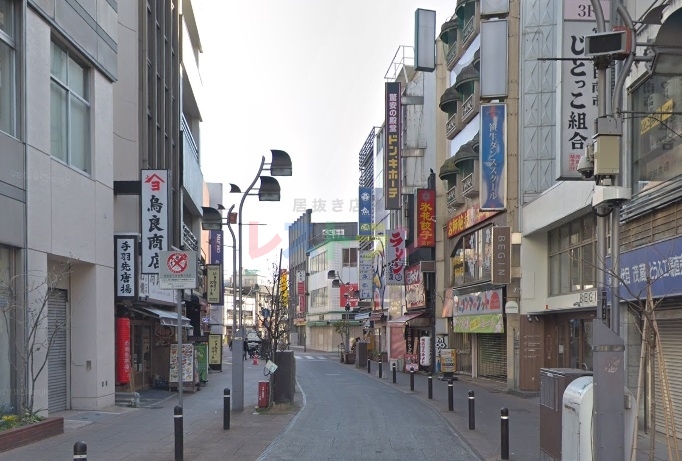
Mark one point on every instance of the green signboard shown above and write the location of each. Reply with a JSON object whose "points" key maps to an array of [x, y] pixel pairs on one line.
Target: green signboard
{"points": [[483, 323], [202, 360]]}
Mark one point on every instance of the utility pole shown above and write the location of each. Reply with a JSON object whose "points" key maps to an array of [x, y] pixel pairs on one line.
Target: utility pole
{"points": [[609, 163]]}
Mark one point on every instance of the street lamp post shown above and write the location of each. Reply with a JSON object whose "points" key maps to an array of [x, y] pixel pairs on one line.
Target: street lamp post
{"points": [[234, 274], [269, 191]]}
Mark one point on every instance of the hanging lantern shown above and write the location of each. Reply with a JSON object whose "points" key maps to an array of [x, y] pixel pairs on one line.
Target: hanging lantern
{"points": [[122, 350]]}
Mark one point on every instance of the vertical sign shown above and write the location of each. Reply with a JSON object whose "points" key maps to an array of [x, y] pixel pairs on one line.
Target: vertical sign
{"points": [[393, 143], [349, 289], [365, 211], [396, 257], [426, 217], [214, 285], [154, 219], [501, 261], [300, 290], [216, 257], [415, 297], [493, 184], [578, 90], [365, 273], [125, 247]]}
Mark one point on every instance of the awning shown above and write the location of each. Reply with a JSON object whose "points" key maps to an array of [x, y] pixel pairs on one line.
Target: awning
{"points": [[166, 318], [403, 319]]}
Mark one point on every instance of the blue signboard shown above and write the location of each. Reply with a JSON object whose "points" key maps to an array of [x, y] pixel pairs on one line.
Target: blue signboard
{"points": [[365, 211], [661, 262], [493, 152], [216, 256]]}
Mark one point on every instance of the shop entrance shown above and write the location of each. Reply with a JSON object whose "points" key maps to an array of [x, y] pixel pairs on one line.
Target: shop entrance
{"points": [[575, 343], [142, 355]]}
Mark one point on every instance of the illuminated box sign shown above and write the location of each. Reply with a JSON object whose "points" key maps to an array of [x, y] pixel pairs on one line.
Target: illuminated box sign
{"points": [[467, 219], [393, 135], [493, 190], [154, 220], [426, 216], [365, 211]]}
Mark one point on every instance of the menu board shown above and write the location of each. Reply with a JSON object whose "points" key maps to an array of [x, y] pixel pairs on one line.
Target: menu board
{"points": [[187, 363]]}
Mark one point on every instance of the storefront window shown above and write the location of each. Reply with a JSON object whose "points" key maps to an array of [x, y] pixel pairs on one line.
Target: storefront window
{"points": [[471, 258], [571, 256], [656, 132], [6, 305]]}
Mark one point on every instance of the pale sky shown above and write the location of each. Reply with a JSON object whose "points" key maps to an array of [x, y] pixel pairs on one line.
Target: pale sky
{"points": [[303, 76]]}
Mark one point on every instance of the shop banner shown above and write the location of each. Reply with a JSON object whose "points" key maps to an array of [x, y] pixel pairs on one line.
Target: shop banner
{"points": [[493, 145], [365, 211], [393, 142], [396, 257], [154, 205], [425, 351], [187, 364], [215, 284], [426, 218], [501, 258], [215, 350], [126, 260], [481, 302], [202, 360], [484, 323], [448, 303], [150, 290], [415, 298], [366, 273], [216, 256], [411, 363]]}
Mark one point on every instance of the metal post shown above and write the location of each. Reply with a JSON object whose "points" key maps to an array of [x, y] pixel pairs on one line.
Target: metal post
{"points": [[472, 411], [179, 330], [394, 372], [451, 400], [504, 433], [238, 365], [412, 379], [369, 365], [380, 370], [80, 451], [177, 415], [234, 277], [430, 381], [226, 408]]}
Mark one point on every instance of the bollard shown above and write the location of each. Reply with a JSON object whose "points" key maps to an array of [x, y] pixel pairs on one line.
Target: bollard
{"points": [[394, 370], [226, 408], [381, 375], [177, 412], [504, 433], [80, 451], [411, 379], [369, 365], [451, 401], [472, 412], [430, 387]]}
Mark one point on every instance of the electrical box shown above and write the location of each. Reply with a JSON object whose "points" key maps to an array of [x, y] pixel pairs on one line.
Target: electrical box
{"points": [[606, 155], [576, 422]]}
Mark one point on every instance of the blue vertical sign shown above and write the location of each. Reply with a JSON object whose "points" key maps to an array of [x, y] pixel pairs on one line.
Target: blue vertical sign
{"points": [[216, 257], [365, 211], [493, 148]]}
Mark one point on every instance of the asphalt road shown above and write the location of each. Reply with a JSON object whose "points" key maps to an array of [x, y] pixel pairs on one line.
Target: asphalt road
{"points": [[349, 416]]}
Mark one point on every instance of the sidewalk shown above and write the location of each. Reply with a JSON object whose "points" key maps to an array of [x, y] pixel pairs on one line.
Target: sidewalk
{"points": [[120, 433], [489, 398]]}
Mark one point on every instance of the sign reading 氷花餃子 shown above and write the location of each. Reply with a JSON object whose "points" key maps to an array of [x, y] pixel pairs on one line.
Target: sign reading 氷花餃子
{"points": [[154, 218], [426, 217]]}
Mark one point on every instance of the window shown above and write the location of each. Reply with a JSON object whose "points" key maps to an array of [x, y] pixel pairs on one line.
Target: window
{"points": [[572, 256], [470, 260], [318, 263], [350, 257], [319, 298], [69, 110], [8, 93]]}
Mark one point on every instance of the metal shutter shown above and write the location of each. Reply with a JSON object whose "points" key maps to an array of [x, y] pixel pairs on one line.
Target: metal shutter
{"points": [[57, 354], [671, 340], [492, 356]]}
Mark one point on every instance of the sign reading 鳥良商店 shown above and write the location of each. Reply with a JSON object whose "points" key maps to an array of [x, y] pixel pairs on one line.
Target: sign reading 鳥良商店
{"points": [[154, 218]]}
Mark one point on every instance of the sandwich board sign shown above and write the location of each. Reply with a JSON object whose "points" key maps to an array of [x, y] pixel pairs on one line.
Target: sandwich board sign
{"points": [[177, 270]]}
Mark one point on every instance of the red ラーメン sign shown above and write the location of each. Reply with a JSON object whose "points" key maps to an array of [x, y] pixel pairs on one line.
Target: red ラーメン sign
{"points": [[396, 257], [426, 216]]}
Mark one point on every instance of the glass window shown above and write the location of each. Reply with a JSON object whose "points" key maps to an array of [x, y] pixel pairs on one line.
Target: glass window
{"points": [[471, 258], [69, 110], [571, 256], [350, 257], [6, 350], [8, 93]]}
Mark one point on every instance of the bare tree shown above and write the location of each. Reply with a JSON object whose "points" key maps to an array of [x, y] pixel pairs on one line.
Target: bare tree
{"points": [[273, 314], [28, 298]]}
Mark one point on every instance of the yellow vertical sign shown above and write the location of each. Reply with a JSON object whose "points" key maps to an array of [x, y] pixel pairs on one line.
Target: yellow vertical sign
{"points": [[214, 349], [214, 285]]}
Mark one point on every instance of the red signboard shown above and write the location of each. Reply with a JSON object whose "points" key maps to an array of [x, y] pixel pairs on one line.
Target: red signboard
{"points": [[426, 217], [415, 297], [350, 289]]}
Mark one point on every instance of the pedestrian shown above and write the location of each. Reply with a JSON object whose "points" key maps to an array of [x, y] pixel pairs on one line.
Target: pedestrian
{"points": [[230, 344], [246, 348]]}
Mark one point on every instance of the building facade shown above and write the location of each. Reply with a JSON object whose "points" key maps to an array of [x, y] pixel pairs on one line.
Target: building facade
{"points": [[300, 232]]}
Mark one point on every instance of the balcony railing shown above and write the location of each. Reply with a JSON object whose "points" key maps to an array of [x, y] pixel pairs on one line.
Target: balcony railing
{"points": [[468, 184], [451, 55], [189, 240], [468, 107], [468, 30], [452, 197], [451, 125]]}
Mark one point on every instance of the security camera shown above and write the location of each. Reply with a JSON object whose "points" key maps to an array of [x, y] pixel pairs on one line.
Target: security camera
{"points": [[586, 167]]}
